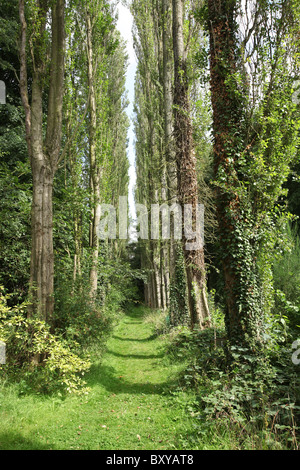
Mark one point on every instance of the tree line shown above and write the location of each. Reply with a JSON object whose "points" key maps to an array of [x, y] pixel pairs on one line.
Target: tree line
{"points": [[217, 122], [69, 63], [63, 154]]}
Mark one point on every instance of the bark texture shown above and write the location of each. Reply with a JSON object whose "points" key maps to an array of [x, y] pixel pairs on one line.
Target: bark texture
{"points": [[43, 151], [186, 170], [94, 167]]}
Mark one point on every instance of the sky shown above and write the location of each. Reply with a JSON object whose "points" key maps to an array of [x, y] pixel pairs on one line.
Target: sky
{"points": [[124, 25]]}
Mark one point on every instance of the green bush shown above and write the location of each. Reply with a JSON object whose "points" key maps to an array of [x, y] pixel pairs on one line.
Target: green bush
{"points": [[78, 319], [286, 269], [43, 361], [286, 275]]}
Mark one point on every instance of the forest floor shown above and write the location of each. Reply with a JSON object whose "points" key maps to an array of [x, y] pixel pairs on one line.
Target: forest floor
{"points": [[134, 402]]}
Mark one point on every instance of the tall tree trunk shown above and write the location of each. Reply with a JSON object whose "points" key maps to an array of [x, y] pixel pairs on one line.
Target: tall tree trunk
{"points": [[233, 211], [44, 152], [94, 167], [178, 293], [42, 256], [171, 179], [186, 167]]}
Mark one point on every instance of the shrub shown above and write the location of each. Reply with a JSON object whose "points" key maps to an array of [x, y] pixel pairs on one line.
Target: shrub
{"points": [[286, 269], [255, 397], [77, 319], [286, 274], [45, 362], [88, 323]]}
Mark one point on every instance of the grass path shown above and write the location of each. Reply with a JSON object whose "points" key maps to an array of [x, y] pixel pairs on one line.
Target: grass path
{"points": [[130, 406]]}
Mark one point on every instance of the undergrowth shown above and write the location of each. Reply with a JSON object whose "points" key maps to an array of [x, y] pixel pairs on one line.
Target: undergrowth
{"points": [[47, 359], [253, 401]]}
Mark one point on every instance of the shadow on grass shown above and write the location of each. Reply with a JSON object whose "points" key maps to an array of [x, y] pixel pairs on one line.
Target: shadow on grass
{"points": [[145, 340], [108, 378], [14, 441], [135, 356], [133, 322]]}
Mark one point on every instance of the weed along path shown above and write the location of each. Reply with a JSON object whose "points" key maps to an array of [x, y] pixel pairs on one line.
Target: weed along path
{"points": [[133, 403]]}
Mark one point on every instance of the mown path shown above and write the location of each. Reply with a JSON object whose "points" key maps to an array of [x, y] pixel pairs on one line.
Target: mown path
{"points": [[133, 403], [137, 410]]}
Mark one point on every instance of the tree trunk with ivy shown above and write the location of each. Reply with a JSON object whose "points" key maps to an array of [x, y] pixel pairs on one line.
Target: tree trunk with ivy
{"points": [[235, 218]]}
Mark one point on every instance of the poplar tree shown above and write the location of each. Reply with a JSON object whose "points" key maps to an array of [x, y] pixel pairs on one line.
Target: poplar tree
{"points": [[43, 147], [160, 131], [150, 160], [100, 148], [253, 68], [186, 170]]}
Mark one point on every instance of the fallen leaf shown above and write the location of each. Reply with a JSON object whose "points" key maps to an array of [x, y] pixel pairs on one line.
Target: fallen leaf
{"points": [[138, 436]]}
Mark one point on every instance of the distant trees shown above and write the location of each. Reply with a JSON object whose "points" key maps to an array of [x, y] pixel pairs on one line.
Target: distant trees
{"points": [[151, 165], [101, 42]]}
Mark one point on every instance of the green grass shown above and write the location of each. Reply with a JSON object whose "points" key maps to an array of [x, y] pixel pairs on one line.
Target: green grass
{"points": [[133, 403]]}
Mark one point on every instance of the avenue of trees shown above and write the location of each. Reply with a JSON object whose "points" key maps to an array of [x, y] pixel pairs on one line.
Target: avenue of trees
{"points": [[216, 121]]}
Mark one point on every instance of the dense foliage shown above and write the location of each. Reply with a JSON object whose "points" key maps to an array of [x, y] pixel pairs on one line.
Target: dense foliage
{"points": [[216, 122], [242, 63], [51, 351]]}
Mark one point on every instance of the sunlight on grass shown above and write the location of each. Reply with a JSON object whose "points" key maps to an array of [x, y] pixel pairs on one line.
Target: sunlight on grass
{"points": [[133, 402]]}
